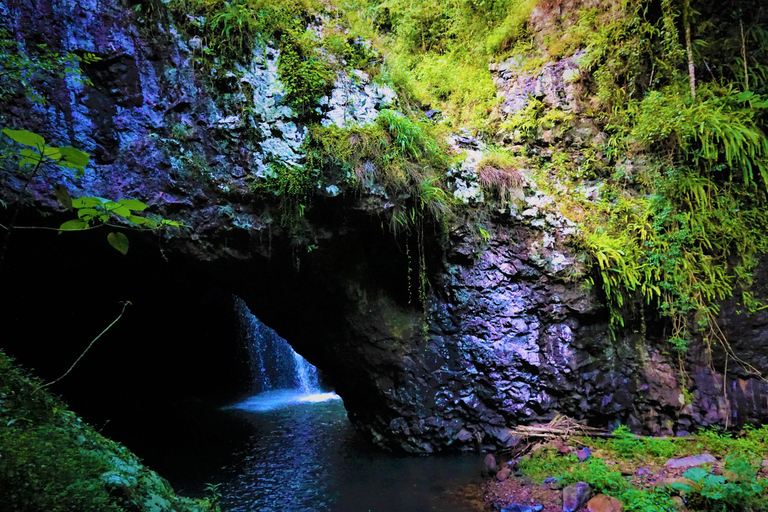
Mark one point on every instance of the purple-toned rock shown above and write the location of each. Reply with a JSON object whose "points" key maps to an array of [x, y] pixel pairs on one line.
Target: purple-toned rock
{"points": [[689, 462], [503, 474], [583, 454], [643, 472], [489, 464], [575, 496]]}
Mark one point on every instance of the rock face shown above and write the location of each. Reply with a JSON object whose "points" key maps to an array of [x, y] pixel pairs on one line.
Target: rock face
{"points": [[508, 333]]}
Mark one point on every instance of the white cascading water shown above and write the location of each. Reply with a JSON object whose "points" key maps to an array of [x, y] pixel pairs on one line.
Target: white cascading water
{"points": [[279, 374]]}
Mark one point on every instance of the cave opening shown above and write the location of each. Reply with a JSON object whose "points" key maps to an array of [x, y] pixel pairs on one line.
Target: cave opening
{"points": [[164, 378]]}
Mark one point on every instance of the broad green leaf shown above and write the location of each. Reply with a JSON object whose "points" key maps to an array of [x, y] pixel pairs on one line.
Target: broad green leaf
{"points": [[31, 157], [73, 158], [119, 241], [73, 225], [714, 480], [62, 195], [25, 137], [88, 202], [87, 213], [117, 209], [52, 153], [141, 221], [696, 474], [173, 223], [133, 204], [682, 487]]}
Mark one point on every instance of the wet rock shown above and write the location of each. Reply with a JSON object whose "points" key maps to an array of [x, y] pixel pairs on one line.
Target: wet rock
{"points": [[603, 503], [575, 496], [583, 454], [689, 462], [503, 474], [489, 464]]}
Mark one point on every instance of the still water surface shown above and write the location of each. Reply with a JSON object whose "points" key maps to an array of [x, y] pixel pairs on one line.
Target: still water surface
{"points": [[304, 455]]}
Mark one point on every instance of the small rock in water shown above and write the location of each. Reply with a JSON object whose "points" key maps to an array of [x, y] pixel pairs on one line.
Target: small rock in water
{"points": [[576, 495], [689, 462], [489, 464], [603, 503], [583, 454]]}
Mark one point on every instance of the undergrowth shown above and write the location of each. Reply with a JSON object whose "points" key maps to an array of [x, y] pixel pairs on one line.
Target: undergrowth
{"points": [[734, 487], [50, 460]]}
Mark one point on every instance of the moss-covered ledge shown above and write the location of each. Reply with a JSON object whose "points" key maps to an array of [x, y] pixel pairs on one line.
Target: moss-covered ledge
{"points": [[51, 460]]}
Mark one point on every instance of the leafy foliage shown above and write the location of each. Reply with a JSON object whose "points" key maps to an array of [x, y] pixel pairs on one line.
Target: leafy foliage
{"points": [[91, 211], [24, 66]]}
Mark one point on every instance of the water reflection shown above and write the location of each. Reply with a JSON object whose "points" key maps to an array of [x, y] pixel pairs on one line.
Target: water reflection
{"points": [[270, 400], [304, 457]]}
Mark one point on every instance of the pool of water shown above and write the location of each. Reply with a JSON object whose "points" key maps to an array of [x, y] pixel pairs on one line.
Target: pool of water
{"points": [[289, 452], [302, 454]]}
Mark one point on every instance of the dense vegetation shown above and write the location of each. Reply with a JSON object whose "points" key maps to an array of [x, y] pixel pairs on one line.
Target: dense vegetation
{"points": [[52, 461], [619, 467]]}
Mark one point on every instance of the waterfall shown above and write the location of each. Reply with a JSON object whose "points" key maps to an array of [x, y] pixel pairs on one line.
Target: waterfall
{"points": [[273, 362]]}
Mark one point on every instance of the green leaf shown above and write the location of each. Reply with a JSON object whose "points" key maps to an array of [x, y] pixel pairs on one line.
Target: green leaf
{"points": [[88, 202], [52, 153], [73, 158], [173, 223], [133, 204], [714, 480], [25, 137], [119, 241], [73, 225], [696, 474], [117, 209], [30, 157], [62, 196], [744, 96], [682, 487], [87, 213], [141, 221]]}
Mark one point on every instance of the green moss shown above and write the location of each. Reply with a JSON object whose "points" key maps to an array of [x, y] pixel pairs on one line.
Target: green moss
{"points": [[52, 461]]}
